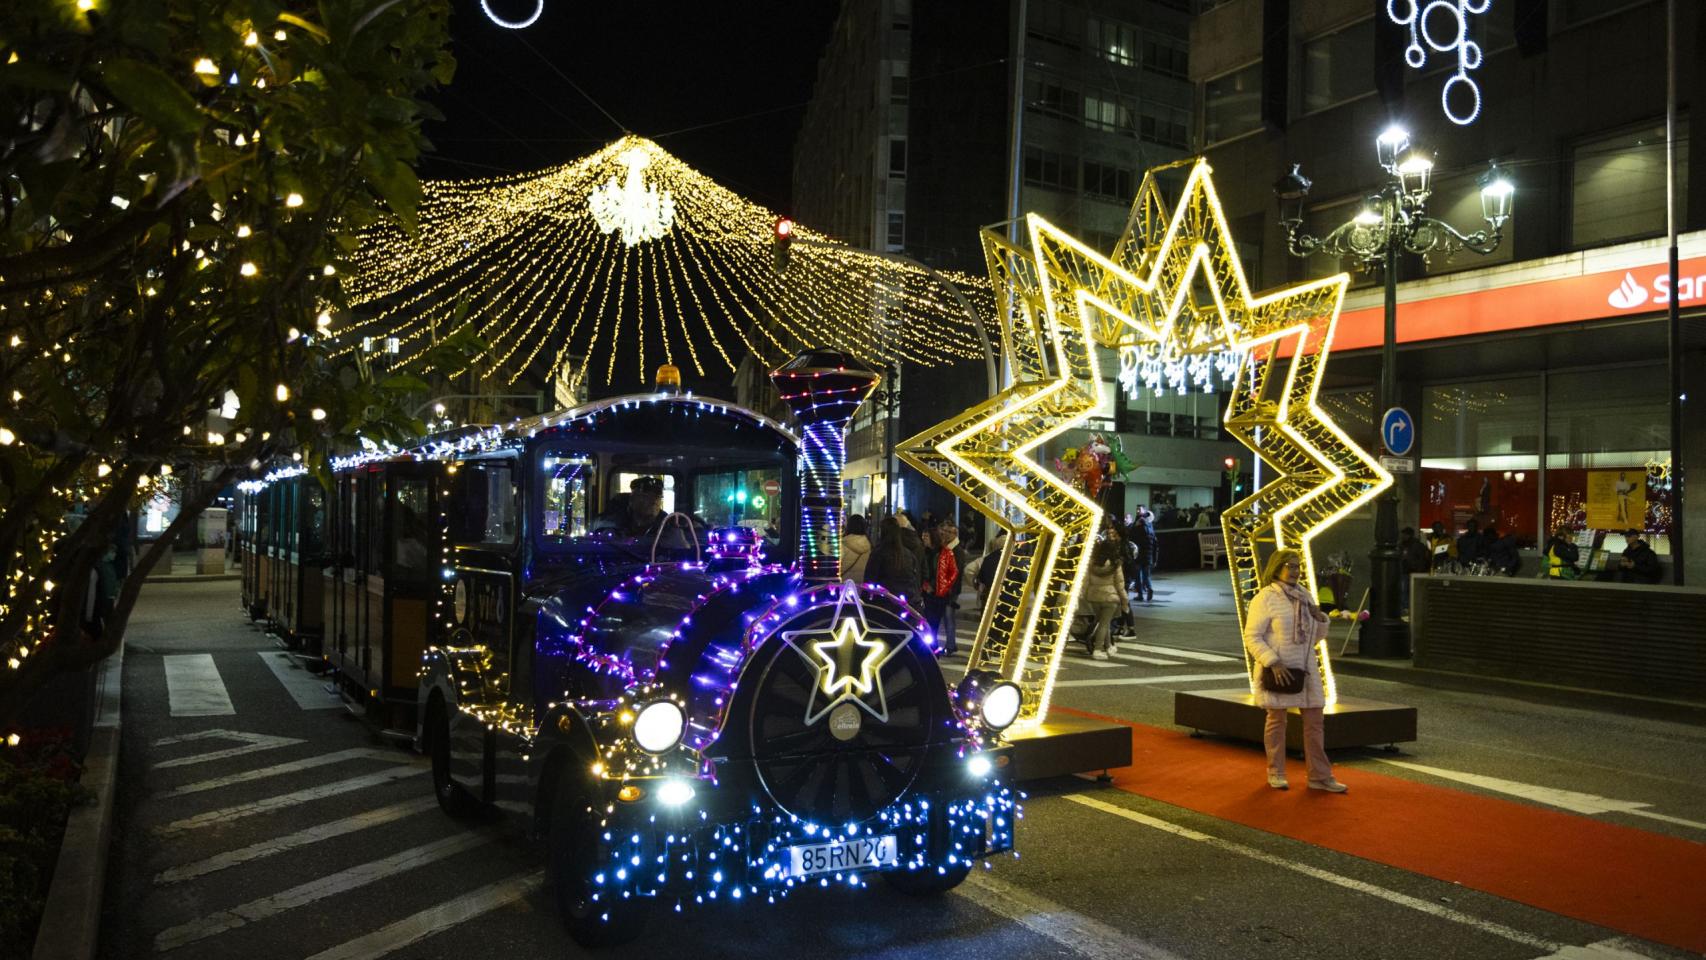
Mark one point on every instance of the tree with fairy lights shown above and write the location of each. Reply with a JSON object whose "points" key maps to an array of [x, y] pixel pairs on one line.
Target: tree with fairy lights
{"points": [[181, 182]]}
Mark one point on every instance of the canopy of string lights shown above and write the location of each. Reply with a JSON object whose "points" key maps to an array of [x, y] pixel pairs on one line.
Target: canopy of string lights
{"points": [[629, 255]]}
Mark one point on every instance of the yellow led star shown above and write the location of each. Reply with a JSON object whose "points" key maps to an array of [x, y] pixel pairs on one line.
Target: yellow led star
{"points": [[837, 673], [844, 673], [1066, 297], [1057, 381]]}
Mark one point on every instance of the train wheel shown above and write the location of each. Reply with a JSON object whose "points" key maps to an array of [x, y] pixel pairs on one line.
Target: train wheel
{"points": [[572, 847], [927, 883], [452, 799]]}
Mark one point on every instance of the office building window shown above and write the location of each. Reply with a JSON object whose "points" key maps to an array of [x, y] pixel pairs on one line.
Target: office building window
{"points": [[897, 158], [900, 85], [897, 229], [1046, 168], [1168, 56], [1338, 66], [1168, 126], [1048, 95], [1571, 12], [1113, 40], [1617, 185], [1232, 104], [1106, 180], [1104, 113], [1053, 23]]}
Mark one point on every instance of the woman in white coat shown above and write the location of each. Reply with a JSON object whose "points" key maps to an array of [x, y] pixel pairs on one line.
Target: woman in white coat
{"points": [[1280, 632]]}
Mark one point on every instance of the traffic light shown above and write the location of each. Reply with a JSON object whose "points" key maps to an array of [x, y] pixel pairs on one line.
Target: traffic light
{"points": [[782, 236], [1230, 462]]}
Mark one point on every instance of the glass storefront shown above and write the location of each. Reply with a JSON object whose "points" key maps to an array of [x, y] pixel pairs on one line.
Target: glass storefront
{"points": [[1582, 450]]}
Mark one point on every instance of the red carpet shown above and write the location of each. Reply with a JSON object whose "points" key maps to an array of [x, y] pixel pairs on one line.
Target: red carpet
{"points": [[1646, 884]]}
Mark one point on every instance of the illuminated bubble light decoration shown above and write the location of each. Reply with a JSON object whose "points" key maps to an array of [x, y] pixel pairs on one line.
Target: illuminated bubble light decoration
{"points": [[1442, 26], [524, 262], [1066, 296]]}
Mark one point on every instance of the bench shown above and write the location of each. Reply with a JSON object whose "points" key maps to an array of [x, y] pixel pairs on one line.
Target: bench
{"points": [[1211, 547]]}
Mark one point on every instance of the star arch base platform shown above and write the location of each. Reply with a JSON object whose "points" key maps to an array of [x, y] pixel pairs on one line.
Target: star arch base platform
{"points": [[1350, 722], [1064, 744]]}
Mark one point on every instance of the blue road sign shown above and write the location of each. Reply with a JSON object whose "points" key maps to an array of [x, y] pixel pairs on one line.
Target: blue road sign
{"points": [[1397, 431]]}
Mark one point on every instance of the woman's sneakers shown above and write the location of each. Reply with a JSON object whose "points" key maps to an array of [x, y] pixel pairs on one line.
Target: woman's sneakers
{"points": [[1277, 781], [1329, 785], [1099, 654]]}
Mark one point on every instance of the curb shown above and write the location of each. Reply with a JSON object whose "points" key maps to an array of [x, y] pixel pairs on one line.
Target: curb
{"points": [[1400, 671], [71, 918]]}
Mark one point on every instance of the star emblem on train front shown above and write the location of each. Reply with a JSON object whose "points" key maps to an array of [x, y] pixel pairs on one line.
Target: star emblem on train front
{"points": [[848, 657]]}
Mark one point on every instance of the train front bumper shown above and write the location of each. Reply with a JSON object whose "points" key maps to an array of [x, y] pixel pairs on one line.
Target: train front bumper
{"points": [[718, 846]]}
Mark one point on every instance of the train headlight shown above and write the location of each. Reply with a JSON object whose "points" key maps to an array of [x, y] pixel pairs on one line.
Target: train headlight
{"points": [[1001, 705], [659, 726]]}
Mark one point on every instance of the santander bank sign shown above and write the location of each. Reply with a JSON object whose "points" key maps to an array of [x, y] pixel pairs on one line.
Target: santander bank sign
{"points": [[1530, 302], [1631, 294]]}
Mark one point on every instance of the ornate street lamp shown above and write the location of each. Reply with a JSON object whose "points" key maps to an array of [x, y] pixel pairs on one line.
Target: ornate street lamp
{"points": [[1392, 222]]}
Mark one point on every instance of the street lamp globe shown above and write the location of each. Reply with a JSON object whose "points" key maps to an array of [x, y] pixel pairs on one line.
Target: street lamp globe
{"points": [[1414, 173], [1391, 142], [1291, 190], [1497, 196]]}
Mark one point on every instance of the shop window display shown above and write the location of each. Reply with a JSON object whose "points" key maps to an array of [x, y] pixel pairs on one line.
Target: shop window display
{"points": [[1608, 437], [1480, 456]]}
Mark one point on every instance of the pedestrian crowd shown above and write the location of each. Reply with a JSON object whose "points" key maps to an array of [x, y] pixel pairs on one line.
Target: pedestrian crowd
{"points": [[1489, 550], [931, 562]]}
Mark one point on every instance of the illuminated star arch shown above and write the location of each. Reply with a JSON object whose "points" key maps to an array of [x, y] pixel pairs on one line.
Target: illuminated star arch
{"points": [[1177, 288]]}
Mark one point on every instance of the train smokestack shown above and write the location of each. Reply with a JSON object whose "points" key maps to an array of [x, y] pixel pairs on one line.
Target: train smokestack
{"points": [[824, 388]]}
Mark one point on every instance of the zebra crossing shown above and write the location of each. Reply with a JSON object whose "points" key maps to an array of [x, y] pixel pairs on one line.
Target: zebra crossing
{"points": [[1143, 665], [248, 830]]}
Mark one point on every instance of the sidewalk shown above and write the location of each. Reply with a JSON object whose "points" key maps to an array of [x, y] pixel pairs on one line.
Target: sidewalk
{"points": [[1193, 609], [180, 567]]}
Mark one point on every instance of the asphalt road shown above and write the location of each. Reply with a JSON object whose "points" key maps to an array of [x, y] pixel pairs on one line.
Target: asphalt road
{"points": [[279, 827]]}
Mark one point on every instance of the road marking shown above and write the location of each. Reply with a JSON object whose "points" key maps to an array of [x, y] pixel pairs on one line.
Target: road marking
{"points": [[1349, 883], [1174, 678], [1074, 931], [300, 838], [1603, 950], [1177, 652], [313, 891], [306, 689], [193, 687], [1093, 664], [1157, 661], [1587, 804], [448, 914], [294, 766], [252, 743], [282, 801]]}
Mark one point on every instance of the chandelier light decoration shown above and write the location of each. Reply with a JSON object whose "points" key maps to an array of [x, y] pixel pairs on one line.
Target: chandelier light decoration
{"points": [[630, 253], [1068, 298], [632, 206], [1442, 26]]}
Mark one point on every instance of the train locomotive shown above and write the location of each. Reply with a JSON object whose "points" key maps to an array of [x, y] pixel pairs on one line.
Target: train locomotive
{"points": [[683, 707]]}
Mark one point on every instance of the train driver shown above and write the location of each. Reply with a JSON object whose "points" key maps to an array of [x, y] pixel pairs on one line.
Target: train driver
{"points": [[636, 513]]}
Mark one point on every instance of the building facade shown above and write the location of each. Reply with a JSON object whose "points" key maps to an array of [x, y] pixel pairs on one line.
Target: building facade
{"points": [[1537, 374], [908, 147]]}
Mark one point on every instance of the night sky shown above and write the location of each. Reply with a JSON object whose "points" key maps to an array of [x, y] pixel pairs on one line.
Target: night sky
{"points": [[738, 73]]}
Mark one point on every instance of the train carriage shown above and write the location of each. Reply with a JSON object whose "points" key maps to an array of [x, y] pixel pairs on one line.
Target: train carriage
{"points": [[281, 533]]}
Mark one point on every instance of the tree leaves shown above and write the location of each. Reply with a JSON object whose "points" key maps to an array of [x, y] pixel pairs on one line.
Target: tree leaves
{"points": [[155, 97]]}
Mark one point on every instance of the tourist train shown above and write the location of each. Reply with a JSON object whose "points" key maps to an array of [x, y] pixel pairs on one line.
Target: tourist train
{"points": [[624, 624]]}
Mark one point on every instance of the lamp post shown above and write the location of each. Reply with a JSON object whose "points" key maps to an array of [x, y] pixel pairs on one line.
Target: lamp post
{"points": [[1392, 222]]}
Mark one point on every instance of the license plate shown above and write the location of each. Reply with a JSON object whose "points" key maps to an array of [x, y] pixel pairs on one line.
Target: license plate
{"points": [[861, 853]]}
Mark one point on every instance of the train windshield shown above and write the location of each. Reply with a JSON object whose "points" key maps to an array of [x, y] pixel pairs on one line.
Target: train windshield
{"points": [[626, 502]]}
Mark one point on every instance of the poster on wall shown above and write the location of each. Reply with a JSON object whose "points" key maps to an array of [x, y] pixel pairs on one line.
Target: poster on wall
{"points": [[1616, 499]]}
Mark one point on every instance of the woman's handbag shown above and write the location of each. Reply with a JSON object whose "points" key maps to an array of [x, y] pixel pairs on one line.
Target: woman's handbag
{"points": [[1272, 685]]}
